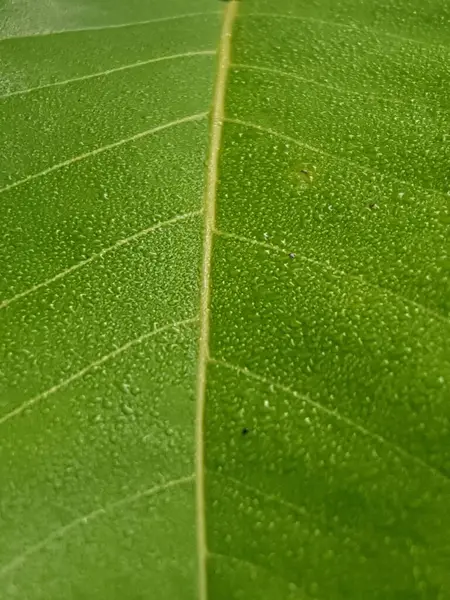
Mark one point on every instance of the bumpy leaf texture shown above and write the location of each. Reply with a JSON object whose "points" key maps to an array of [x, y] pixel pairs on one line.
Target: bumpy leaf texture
{"points": [[224, 300]]}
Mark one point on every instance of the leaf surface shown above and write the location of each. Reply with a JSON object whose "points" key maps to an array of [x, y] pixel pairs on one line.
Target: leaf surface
{"points": [[231, 384]]}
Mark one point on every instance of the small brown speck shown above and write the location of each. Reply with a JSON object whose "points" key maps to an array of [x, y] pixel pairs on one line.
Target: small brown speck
{"points": [[306, 175]]}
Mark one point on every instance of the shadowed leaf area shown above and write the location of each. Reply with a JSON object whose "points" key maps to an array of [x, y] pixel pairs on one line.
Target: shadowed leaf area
{"points": [[224, 317]]}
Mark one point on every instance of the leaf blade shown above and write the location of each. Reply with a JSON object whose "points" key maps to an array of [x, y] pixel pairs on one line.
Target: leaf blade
{"points": [[331, 353], [326, 465]]}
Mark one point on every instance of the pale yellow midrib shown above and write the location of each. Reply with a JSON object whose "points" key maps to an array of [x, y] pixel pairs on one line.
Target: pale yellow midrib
{"points": [[218, 114]]}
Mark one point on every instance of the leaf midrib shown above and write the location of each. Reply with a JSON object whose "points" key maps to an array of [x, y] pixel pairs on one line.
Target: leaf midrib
{"points": [[216, 124]]}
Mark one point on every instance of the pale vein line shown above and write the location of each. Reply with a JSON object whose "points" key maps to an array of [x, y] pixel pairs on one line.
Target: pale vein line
{"points": [[272, 497], [250, 563], [353, 26], [96, 363], [140, 63], [116, 26], [421, 307], [218, 115], [347, 161], [97, 255], [334, 88], [96, 151], [85, 519], [287, 138], [267, 246], [333, 413]]}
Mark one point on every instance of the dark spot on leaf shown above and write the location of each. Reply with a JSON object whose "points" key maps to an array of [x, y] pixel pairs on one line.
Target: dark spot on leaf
{"points": [[306, 175], [245, 431]]}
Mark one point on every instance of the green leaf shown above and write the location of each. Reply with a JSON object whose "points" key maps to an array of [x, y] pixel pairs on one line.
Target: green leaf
{"points": [[224, 300]]}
